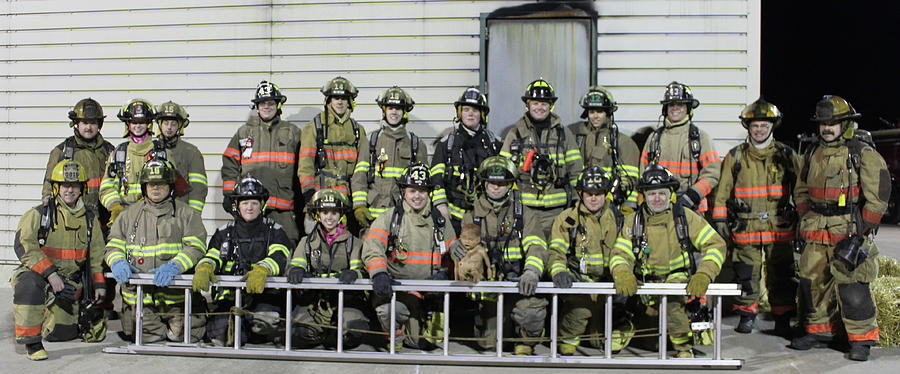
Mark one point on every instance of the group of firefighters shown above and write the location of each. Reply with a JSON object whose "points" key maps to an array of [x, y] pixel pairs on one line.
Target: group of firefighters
{"points": [[576, 203]]}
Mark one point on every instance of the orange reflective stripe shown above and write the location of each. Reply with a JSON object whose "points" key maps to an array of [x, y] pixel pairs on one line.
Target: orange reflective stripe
{"points": [[28, 330], [820, 328], [307, 152], [94, 182], [341, 155], [871, 335], [832, 192], [780, 310], [339, 188], [232, 153], [774, 190], [871, 216], [754, 308], [284, 157], [645, 158], [709, 157], [822, 236], [763, 237], [679, 167], [376, 263], [379, 234], [64, 254], [306, 181], [98, 278], [277, 203], [720, 212], [228, 185], [704, 186], [42, 266]]}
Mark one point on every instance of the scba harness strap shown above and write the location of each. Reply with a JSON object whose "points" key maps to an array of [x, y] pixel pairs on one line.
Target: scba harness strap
{"points": [[318, 270], [682, 232], [322, 140], [397, 220], [518, 227], [373, 140]]}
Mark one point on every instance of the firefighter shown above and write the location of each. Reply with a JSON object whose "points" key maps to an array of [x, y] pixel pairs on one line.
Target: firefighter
{"points": [[87, 147], [408, 241], [255, 247], [329, 251], [458, 154], [172, 119], [57, 243], [546, 153], [517, 252], [266, 147], [120, 186], [842, 192], [160, 235], [582, 240], [601, 144], [382, 159], [657, 243], [754, 208], [329, 145], [683, 148]]}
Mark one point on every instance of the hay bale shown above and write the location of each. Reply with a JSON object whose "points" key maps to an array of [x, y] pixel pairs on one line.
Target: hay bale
{"points": [[888, 267], [886, 292]]}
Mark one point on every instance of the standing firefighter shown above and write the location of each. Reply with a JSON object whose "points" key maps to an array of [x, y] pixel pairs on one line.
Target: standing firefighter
{"points": [[160, 235], [408, 241], [601, 144], [330, 251], [87, 147], [580, 247], [754, 208], [329, 145], [172, 120], [657, 244], [516, 250], [546, 153], [252, 246], [60, 247], [458, 154], [841, 194], [120, 186], [682, 148], [266, 147], [382, 159]]}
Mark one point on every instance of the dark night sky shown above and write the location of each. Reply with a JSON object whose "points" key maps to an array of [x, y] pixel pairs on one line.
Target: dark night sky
{"points": [[844, 48]]}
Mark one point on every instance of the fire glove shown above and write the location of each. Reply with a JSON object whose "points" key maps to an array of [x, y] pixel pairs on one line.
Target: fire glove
{"points": [[203, 275], [256, 279], [114, 210], [382, 284], [457, 251], [165, 273], [698, 284], [624, 281], [363, 216], [440, 276], [56, 282], [67, 293], [307, 196], [528, 282], [122, 271], [348, 276], [563, 279], [723, 229], [691, 199], [296, 275]]}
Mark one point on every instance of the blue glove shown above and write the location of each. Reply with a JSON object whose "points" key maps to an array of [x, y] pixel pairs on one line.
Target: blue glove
{"points": [[165, 274], [122, 271]]}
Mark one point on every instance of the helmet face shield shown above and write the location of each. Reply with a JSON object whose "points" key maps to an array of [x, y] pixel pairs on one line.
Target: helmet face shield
{"points": [[593, 179]]}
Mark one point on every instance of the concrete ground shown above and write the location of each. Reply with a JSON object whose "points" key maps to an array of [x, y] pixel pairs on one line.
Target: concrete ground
{"points": [[761, 352]]}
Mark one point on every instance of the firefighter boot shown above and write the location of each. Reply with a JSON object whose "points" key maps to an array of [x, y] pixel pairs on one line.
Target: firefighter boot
{"points": [[36, 351], [783, 327], [745, 326], [809, 341], [859, 351]]}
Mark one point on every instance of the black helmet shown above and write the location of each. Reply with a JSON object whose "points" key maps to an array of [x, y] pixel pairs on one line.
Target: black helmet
{"points": [[760, 110], [593, 179], [268, 91], [472, 96], [539, 90], [86, 109], [416, 175], [656, 176], [136, 110], [497, 169], [679, 93], [249, 188], [599, 98]]}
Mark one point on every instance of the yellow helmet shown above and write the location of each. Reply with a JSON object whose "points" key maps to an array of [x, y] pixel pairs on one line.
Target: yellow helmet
{"points": [[68, 171], [171, 110], [760, 110]]}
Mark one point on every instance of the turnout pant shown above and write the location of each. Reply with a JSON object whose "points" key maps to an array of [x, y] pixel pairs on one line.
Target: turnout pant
{"points": [[34, 320], [410, 317], [748, 262], [260, 325], [163, 314], [315, 319]]}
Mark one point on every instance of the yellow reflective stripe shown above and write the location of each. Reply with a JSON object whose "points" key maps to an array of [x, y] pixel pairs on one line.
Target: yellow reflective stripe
{"points": [[360, 197], [714, 255], [533, 240], [616, 261], [155, 298], [377, 211], [625, 246], [299, 262], [270, 264], [185, 261], [275, 248], [114, 257], [532, 199], [196, 204], [361, 167], [705, 234], [557, 267], [536, 263], [194, 241], [438, 168], [456, 211], [560, 244], [197, 178]]}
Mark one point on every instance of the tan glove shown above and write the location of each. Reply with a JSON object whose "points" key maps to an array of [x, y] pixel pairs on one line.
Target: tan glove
{"points": [[203, 275], [698, 284], [363, 216], [256, 279], [624, 281], [114, 212]]}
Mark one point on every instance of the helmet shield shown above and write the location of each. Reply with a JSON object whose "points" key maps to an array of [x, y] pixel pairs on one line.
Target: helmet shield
{"points": [[539, 90], [656, 176], [329, 198], [760, 110], [593, 179], [68, 171], [416, 175]]}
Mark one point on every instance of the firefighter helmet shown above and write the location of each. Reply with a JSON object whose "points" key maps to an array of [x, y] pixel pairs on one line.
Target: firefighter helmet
{"points": [[497, 169], [339, 86], [329, 198], [539, 90], [268, 91], [599, 98], [68, 171], [416, 175], [760, 110], [86, 109], [157, 170], [136, 110], [679, 93], [593, 179], [473, 97], [171, 110], [395, 96], [249, 188], [656, 176], [834, 109]]}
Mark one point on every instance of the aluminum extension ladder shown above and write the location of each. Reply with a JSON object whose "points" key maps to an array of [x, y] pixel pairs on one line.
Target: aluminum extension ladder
{"points": [[445, 357]]}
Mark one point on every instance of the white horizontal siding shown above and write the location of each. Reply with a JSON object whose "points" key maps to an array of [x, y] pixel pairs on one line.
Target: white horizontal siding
{"points": [[209, 56]]}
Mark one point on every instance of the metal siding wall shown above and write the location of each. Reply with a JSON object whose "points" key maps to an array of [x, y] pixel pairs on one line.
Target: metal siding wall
{"points": [[210, 55]]}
